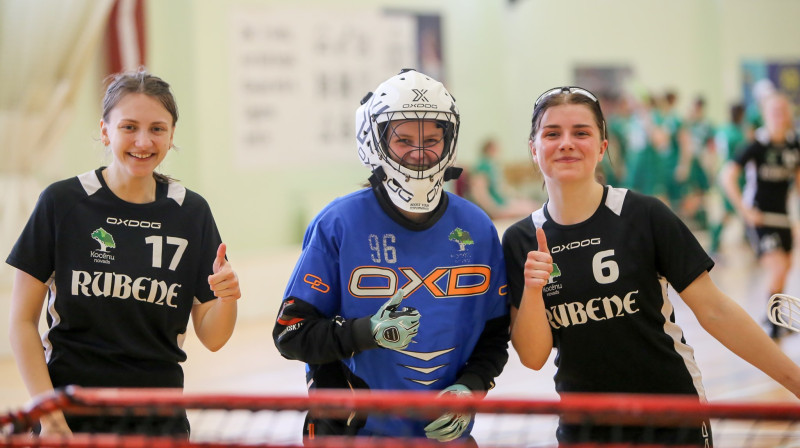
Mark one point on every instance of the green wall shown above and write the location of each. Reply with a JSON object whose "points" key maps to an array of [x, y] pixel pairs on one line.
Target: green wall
{"points": [[498, 58]]}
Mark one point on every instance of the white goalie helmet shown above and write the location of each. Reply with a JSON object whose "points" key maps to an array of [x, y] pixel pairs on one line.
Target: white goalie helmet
{"points": [[415, 101]]}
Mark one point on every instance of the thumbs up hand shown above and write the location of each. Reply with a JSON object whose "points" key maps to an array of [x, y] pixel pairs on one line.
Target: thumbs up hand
{"points": [[539, 263], [394, 327], [224, 281]]}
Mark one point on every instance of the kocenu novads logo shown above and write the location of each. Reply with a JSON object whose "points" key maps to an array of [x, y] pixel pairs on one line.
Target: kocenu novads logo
{"points": [[461, 237], [552, 287], [555, 274], [104, 238], [106, 241]]}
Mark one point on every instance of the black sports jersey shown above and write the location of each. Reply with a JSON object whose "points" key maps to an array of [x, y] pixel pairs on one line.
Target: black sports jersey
{"points": [[769, 171], [612, 321], [124, 279]]}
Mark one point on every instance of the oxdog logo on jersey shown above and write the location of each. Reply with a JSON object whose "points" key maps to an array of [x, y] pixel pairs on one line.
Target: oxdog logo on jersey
{"points": [[106, 241]]}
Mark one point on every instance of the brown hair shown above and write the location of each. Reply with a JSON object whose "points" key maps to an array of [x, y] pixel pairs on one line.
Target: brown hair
{"points": [[561, 98], [140, 81]]}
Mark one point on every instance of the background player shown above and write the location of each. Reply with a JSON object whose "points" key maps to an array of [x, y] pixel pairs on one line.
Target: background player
{"points": [[124, 256], [599, 293], [402, 232], [489, 189], [771, 163], [729, 139]]}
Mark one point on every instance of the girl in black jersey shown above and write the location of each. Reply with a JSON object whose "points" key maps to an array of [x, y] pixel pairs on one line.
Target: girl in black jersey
{"points": [[588, 275], [771, 163], [124, 256]]}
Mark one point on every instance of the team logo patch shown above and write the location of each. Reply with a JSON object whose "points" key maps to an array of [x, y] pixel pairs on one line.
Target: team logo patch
{"points": [[106, 241], [555, 274], [552, 288], [316, 283], [770, 242], [391, 334], [461, 237]]}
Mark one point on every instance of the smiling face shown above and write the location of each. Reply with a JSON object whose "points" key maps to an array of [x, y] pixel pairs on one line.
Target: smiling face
{"points": [[777, 116], [568, 144], [138, 131], [415, 144]]}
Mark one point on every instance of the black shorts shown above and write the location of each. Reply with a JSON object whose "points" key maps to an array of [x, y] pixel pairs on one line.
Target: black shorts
{"points": [[768, 239], [699, 435], [176, 425], [173, 426]]}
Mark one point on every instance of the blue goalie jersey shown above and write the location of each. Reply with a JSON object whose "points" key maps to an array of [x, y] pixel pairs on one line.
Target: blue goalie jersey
{"points": [[356, 255]]}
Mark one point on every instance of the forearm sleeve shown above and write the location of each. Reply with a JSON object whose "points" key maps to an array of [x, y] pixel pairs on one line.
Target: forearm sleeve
{"points": [[301, 332], [489, 356]]}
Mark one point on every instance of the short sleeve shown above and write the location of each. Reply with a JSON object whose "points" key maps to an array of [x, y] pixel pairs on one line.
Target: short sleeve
{"points": [[745, 155], [34, 251], [679, 256], [516, 245], [210, 243], [315, 278]]}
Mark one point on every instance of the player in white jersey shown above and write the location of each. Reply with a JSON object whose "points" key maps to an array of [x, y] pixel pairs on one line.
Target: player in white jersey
{"points": [[124, 256], [589, 274], [401, 239], [771, 163]]}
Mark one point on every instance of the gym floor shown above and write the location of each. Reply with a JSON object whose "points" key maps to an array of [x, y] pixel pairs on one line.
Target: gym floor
{"points": [[250, 364]]}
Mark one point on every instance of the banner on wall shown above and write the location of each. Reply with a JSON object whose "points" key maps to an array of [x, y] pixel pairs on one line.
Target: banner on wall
{"points": [[125, 36], [298, 76], [429, 47], [606, 81], [785, 76]]}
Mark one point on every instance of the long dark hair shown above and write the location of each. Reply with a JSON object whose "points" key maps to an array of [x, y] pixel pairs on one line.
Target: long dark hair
{"points": [[140, 81]]}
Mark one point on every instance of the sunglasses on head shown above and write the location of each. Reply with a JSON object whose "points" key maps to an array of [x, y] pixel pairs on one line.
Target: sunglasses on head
{"points": [[565, 89], [570, 89]]}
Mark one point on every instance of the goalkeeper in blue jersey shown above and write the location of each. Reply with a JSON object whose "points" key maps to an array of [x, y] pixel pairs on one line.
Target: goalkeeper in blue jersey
{"points": [[400, 285]]}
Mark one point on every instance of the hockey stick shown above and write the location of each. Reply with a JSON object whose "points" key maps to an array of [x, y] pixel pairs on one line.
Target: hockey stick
{"points": [[784, 310]]}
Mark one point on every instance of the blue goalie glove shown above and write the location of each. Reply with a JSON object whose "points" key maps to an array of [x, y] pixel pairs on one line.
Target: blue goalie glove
{"points": [[394, 327], [450, 426]]}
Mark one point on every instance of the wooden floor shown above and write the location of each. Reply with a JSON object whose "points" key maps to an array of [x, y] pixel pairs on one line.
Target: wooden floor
{"points": [[250, 364]]}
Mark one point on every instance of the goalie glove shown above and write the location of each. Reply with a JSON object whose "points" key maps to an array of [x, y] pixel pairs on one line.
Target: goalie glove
{"points": [[450, 426], [394, 328]]}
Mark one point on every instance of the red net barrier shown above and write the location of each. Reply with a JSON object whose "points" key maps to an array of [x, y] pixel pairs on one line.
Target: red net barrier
{"points": [[228, 420]]}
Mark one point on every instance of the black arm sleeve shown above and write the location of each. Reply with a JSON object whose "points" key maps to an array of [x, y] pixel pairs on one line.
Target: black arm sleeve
{"points": [[301, 332], [489, 356]]}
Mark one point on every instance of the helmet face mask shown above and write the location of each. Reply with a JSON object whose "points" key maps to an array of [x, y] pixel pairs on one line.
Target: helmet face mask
{"points": [[414, 145], [409, 127]]}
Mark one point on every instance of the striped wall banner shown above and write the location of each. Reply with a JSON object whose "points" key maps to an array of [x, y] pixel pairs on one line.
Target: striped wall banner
{"points": [[126, 36]]}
